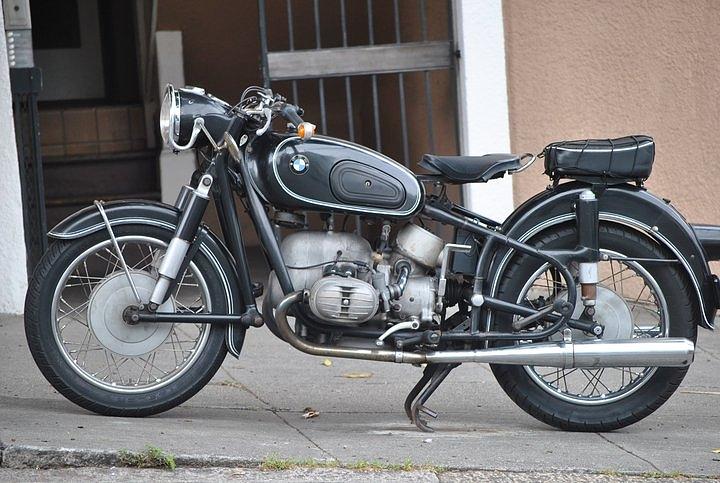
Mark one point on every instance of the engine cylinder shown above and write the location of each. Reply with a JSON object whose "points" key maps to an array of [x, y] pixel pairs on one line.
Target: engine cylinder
{"points": [[343, 300], [419, 245], [305, 252]]}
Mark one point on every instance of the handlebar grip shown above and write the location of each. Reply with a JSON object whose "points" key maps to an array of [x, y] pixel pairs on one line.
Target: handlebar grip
{"points": [[290, 112]]}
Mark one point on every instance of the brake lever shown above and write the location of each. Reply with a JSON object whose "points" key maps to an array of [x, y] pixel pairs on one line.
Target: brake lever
{"points": [[267, 112]]}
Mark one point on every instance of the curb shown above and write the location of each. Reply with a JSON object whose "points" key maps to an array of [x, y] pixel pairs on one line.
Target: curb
{"points": [[19, 457], [35, 457]]}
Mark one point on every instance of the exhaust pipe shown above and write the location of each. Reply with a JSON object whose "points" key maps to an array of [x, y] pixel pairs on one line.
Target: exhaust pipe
{"points": [[665, 352]]}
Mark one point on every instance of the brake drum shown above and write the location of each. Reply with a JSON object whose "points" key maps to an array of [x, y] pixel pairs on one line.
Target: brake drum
{"points": [[105, 315], [611, 311]]}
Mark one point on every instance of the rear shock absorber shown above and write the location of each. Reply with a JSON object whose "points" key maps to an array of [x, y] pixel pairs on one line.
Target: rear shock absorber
{"points": [[587, 213], [195, 202]]}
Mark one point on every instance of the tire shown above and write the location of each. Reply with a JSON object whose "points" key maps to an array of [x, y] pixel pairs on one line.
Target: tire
{"points": [[557, 406], [78, 383]]}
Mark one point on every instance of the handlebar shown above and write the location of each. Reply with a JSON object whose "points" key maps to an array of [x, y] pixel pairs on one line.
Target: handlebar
{"points": [[292, 114], [268, 119], [266, 104]]}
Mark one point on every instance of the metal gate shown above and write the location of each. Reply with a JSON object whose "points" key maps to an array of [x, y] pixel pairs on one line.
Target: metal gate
{"points": [[26, 84], [388, 47]]}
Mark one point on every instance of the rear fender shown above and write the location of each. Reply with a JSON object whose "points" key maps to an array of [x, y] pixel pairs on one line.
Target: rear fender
{"points": [[627, 205], [88, 220], [709, 238]]}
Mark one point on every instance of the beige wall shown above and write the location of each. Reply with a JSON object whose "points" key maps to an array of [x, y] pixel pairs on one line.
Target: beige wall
{"points": [[583, 68]]}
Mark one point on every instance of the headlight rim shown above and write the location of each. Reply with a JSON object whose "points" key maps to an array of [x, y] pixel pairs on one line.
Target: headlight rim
{"points": [[173, 130]]}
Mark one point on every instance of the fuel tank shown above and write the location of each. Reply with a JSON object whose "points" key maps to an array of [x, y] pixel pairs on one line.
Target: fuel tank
{"points": [[332, 175]]}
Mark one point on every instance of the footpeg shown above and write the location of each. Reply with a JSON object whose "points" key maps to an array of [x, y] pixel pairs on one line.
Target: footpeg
{"points": [[251, 317]]}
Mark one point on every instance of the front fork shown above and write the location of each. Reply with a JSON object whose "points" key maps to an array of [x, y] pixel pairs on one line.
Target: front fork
{"points": [[192, 204], [181, 249]]}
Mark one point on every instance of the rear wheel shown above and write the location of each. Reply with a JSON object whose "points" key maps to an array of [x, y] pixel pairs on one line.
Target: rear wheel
{"points": [[82, 345], [634, 300]]}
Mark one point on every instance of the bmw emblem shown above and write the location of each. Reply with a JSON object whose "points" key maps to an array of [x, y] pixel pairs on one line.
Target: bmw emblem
{"points": [[299, 164]]}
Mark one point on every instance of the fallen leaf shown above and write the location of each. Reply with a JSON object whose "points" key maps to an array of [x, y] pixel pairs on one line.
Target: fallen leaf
{"points": [[310, 413], [326, 362], [357, 375]]}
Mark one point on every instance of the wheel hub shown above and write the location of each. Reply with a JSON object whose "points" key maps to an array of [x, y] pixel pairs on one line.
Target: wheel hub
{"points": [[611, 312], [105, 315]]}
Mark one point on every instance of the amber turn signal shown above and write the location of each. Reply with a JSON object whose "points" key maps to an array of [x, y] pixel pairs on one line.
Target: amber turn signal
{"points": [[306, 130]]}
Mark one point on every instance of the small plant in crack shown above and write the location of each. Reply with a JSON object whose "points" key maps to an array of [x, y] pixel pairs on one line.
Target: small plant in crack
{"points": [[150, 457], [275, 463]]}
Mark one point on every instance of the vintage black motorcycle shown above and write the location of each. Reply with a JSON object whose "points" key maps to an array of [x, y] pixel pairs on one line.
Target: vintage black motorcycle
{"points": [[585, 301]]}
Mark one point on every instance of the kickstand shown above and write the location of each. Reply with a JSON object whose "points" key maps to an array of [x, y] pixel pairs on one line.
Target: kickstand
{"points": [[427, 375], [433, 376]]}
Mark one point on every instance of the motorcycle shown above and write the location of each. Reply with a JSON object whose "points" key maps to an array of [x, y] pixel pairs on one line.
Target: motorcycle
{"points": [[585, 301]]}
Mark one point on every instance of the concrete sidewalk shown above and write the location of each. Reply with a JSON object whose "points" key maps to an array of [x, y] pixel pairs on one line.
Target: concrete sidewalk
{"points": [[253, 409]]}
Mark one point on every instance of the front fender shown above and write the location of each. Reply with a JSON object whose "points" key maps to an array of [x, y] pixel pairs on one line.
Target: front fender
{"points": [[142, 212], [88, 220], [626, 205]]}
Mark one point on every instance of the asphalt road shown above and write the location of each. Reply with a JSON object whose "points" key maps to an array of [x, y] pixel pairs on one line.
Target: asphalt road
{"points": [[253, 409]]}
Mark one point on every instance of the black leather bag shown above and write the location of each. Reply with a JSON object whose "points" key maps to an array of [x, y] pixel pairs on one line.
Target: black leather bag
{"points": [[627, 158]]}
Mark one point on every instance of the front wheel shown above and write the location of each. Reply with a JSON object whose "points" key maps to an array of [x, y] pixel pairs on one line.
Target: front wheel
{"points": [[84, 348], [633, 300]]}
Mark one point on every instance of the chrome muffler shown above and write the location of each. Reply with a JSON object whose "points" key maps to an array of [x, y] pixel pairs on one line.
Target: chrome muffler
{"points": [[665, 352]]}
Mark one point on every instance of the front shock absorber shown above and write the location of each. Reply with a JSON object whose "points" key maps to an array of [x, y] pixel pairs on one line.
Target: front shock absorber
{"points": [[193, 207]]}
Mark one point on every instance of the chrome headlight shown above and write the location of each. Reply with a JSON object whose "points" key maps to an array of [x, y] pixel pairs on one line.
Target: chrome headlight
{"points": [[188, 111], [170, 116]]}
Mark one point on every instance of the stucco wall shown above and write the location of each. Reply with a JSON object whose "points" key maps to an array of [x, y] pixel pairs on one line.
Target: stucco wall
{"points": [[12, 241], [581, 68]]}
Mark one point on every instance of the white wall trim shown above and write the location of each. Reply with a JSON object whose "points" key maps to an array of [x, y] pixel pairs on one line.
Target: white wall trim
{"points": [[175, 169], [482, 98], [12, 242]]}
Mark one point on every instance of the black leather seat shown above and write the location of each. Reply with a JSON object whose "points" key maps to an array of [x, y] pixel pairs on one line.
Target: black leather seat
{"points": [[470, 169]]}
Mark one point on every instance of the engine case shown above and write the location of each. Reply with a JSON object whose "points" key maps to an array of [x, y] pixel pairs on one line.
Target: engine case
{"points": [[418, 299]]}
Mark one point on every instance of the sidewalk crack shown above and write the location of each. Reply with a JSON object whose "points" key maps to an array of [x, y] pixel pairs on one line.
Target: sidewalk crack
{"points": [[243, 387], [619, 446], [276, 412], [300, 432]]}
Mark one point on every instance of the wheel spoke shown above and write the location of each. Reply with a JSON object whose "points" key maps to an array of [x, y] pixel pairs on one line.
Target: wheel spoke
{"points": [[151, 256], [633, 284]]}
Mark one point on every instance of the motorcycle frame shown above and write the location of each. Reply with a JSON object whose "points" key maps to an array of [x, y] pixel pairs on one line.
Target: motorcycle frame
{"points": [[237, 179]]}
